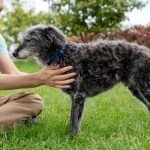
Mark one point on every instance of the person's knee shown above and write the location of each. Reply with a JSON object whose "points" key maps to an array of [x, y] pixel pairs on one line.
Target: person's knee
{"points": [[37, 104]]}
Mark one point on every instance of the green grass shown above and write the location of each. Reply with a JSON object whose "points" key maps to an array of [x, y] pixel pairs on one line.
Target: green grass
{"points": [[113, 120]]}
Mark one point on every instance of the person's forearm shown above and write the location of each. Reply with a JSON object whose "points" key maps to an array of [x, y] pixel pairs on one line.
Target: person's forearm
{"points": [[8, 82], [50, 76]]}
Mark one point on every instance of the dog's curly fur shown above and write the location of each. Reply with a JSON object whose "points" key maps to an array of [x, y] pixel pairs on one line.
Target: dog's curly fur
{"points": [[99, 65]]}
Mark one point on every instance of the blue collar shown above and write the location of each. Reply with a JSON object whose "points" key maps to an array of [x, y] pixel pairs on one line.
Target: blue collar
{"points": [[57, 55]]}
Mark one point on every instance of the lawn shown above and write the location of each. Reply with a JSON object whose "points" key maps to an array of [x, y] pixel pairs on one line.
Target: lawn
{"points": [[114, 120]]}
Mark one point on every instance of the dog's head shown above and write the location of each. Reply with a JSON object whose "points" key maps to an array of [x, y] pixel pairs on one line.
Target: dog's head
{"points": [[40, 42]]}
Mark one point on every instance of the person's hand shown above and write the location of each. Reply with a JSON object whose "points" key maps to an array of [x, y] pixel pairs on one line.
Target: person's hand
{"points": [[55, 77]]}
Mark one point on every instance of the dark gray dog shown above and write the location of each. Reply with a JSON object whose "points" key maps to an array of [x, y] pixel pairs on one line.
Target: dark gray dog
{"points": [[99, 66]]}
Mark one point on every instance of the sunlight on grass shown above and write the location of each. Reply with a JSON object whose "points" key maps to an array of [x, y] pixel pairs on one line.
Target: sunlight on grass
{"points": [[112, 120]]}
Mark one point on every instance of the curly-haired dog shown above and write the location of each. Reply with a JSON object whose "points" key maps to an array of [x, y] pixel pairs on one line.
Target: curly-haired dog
{"points": [[99, 65]]}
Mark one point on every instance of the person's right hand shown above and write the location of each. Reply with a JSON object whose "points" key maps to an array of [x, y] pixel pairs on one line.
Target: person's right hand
{"points": [[55, 77]]}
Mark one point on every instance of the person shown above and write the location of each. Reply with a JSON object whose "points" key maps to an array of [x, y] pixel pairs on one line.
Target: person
{"points": [[20, 107]]}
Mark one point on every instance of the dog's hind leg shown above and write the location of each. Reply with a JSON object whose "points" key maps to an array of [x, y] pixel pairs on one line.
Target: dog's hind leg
{"points": [[78, 101], [141, 96]]}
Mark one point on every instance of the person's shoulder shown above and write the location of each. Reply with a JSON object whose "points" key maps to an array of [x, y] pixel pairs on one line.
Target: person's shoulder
{"points": [[3, 46]]}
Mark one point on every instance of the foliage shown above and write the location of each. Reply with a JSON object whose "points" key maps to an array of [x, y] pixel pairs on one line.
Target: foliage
{"points": [[80, 18], [18, 19], [138, 34]]}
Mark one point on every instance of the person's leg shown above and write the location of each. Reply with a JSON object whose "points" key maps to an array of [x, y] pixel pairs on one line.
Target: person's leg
{"points": [[18, 108]]}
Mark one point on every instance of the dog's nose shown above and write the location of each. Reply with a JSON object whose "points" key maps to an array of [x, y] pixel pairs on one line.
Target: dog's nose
{"points": [[14, 54]]}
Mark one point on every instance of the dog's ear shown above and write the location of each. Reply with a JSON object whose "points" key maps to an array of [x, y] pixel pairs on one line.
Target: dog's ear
{"points": [[55, 35]]}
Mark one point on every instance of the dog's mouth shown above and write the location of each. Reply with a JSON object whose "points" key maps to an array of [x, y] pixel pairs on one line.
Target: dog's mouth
{"points": [[23, 57], [19, 56]]}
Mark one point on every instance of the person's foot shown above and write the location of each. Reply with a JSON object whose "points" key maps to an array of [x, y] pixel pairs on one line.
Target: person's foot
{"points": [[32, 121]]}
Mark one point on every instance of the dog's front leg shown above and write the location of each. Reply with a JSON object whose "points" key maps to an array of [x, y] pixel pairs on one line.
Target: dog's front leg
{"points": [[78, 101]]}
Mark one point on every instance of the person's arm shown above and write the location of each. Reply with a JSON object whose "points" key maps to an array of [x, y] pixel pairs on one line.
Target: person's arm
{"points": [[53, 77], [12, 78], [7, 66]]}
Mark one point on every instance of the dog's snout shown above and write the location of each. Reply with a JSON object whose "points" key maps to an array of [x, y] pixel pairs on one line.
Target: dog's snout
{"points": [[14, 54]]}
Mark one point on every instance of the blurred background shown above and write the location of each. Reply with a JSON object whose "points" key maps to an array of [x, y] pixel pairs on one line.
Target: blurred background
{"points": [[113, 120], [80, 20]]}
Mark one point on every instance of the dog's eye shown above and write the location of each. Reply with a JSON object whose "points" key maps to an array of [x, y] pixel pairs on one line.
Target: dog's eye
{"points": [[28, 40]]}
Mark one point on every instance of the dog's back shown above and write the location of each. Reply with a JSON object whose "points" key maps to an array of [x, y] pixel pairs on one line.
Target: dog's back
{"points": [[102, 64]]}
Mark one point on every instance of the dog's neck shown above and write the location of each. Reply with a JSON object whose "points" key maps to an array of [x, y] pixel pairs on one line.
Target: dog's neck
{"points": [[66, 59], [57, 56]]}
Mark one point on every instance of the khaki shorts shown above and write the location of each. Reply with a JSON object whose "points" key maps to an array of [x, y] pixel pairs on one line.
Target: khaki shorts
{"points": [[18, 108]]}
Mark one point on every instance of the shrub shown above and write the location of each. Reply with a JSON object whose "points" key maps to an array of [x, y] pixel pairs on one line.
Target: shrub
{"points": [[139, 34]]}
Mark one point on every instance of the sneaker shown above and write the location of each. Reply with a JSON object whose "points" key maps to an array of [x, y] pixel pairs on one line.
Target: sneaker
{"points": [[32, 121]]}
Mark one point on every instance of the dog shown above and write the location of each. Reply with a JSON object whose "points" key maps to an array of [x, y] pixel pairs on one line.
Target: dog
{"points": [[99, 65]]}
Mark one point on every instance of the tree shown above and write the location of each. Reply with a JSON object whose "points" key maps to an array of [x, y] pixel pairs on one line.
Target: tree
{"points": [[18, 19], [79, 18]]}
